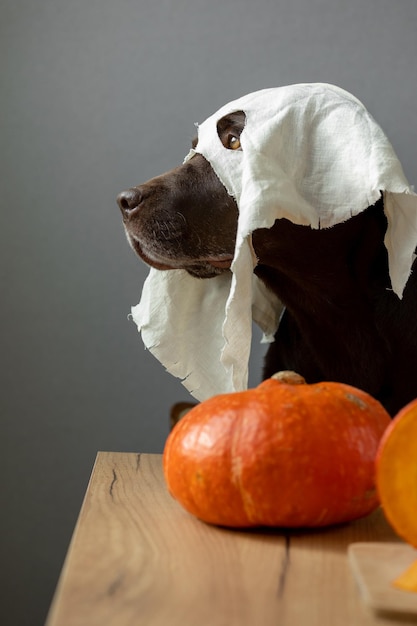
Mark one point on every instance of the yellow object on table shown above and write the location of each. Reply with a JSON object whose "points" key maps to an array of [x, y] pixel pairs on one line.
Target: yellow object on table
{"points": [[137, 558], [408, 579]]}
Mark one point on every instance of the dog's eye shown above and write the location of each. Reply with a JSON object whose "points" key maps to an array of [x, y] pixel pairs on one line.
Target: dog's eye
{"points": [[232, 142]]}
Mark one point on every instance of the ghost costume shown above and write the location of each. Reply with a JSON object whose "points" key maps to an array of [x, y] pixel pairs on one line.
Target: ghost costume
{"points": [[310, 153]]}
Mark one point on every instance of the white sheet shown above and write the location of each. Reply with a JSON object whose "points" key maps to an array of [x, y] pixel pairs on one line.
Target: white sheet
{"points": [[310, 153]]}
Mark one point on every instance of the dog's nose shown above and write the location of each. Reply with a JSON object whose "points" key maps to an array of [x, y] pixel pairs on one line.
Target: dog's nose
{"points": [[129, 200]]}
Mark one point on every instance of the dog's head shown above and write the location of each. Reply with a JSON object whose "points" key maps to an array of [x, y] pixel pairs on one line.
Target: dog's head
{"points": [[311, 154], [185, 218]]}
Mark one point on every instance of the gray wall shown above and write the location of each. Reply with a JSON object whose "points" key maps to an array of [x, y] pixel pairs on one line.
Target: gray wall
{"points": [[97, 96]]}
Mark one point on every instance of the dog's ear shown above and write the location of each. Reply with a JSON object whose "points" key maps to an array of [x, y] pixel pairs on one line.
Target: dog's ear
{"points": [[178, 411]]}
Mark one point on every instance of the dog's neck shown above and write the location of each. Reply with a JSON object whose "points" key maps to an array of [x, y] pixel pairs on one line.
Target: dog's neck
{"points": [[309, 268], [333, 283]]}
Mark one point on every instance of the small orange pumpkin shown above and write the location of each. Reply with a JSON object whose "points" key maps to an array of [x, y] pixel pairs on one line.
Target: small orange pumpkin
{"points": [[396, 477], [396, 473], [283, 454]]}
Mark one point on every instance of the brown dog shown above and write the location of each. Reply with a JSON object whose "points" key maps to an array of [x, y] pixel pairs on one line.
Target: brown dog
{"points": [[341, 322]]}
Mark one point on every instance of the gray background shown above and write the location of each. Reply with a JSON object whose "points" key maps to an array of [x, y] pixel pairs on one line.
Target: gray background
{"points": [[97, 96]]}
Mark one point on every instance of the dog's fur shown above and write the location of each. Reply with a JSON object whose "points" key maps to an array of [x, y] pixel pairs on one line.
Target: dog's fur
{"points": [[341, 322]]}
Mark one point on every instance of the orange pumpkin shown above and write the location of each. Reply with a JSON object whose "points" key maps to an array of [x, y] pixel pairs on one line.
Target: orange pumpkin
{"points": [[396, 477], [396, 471], [283, 454]]}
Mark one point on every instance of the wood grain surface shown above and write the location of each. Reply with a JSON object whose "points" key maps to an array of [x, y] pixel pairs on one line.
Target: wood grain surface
{"points": [[137, 558]]}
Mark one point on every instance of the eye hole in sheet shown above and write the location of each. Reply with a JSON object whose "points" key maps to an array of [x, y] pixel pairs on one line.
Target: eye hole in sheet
{"points": [[229, 129]]}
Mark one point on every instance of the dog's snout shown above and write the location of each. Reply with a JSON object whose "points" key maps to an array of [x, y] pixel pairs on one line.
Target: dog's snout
{"points": [[129, 200]]}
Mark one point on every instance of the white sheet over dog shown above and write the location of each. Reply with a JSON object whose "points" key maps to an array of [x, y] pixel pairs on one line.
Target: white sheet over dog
{"points": [[311, 153]]}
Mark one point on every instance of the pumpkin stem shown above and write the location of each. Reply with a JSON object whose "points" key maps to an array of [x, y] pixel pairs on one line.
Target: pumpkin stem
{"points": [[289, 377]]}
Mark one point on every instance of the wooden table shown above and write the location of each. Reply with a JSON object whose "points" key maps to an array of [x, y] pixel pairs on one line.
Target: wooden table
{"points": [[137, 558]]}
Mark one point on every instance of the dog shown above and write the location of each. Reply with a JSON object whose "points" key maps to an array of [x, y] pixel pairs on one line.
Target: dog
{"points": [[341, 320]]}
